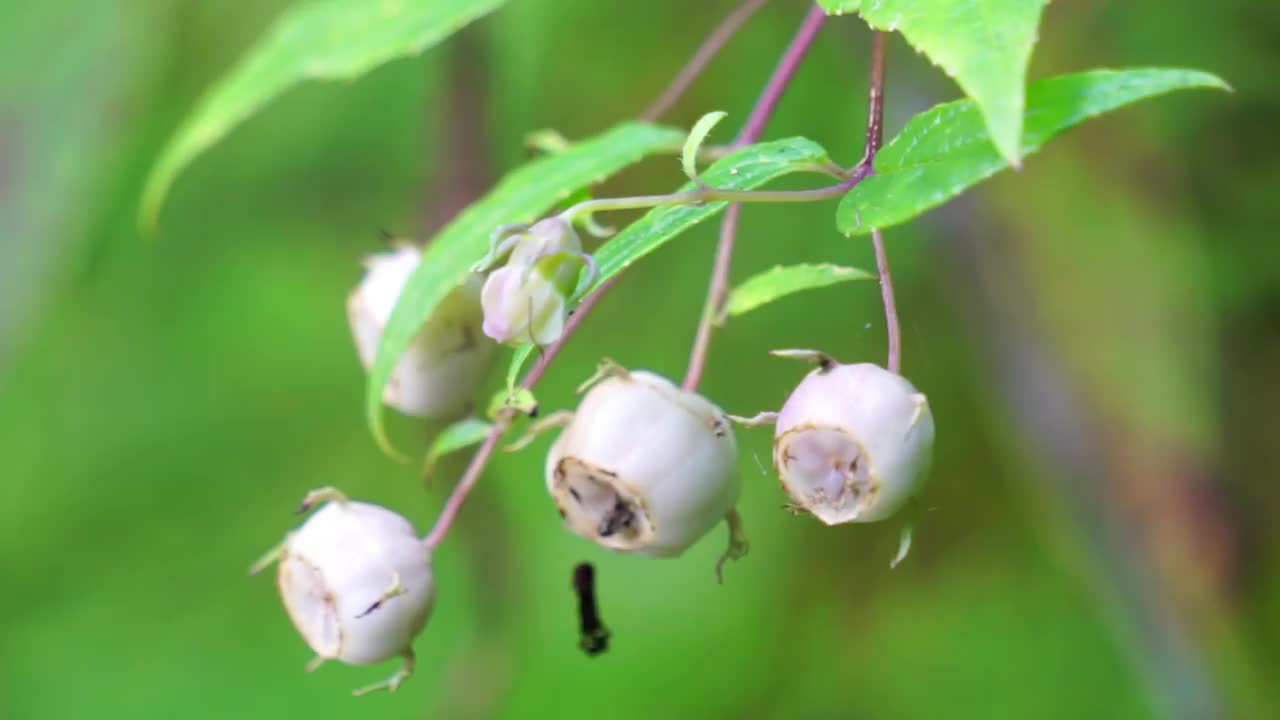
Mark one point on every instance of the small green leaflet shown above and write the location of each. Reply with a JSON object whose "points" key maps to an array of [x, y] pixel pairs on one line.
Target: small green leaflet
{"points": [[702, 128], [518, 359], [743, 169], [457, 436], [519, 399], [325, 40], [522, 196], [985, 45], [946, 149], [511, 396], [780, 281]]}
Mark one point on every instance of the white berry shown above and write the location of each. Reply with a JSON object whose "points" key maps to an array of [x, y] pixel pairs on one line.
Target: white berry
{"points": [[853, 443], [448, 358], [644, 466], [356, 581]]}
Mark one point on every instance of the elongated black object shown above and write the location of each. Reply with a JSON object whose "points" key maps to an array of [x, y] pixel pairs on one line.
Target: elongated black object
{"points": [[594, 636]]}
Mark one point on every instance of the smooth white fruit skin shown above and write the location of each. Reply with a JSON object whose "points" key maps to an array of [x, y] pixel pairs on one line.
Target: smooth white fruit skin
{"points": [[672, 449], [877, 410], [521, 307], [338, 564], [448, 358]]}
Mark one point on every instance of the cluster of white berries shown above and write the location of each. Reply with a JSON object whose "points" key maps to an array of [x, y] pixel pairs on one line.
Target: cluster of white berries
{"points": [[642, 466]]}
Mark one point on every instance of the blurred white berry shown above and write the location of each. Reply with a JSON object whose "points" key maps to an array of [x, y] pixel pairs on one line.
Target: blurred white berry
{"points": [[645, 467], [853, 443], [528, 299], [356, 581], [447, 359]]}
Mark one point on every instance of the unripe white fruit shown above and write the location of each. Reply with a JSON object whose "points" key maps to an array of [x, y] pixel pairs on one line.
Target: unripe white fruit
{"points": [[644, 466], [852, 443], [356, 581], [449, 356]]}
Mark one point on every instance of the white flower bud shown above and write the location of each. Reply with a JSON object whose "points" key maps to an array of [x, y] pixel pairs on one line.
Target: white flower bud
{"points": [[447, 359], [356, 581], [644, 466], [528, 299], [521, 306], [547, 237], [852, 443]]}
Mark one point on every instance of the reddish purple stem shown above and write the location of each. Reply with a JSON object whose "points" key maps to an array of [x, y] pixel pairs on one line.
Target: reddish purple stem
{"points": [[718, 286]]}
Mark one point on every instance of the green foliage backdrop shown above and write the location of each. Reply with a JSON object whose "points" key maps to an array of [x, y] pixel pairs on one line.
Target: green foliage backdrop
{"points": [[1098, 334]]}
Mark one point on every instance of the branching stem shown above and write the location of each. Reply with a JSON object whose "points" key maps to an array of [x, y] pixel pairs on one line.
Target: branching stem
{"points": [[718, 286], [711, 194], [755, 124], [875, 133]]}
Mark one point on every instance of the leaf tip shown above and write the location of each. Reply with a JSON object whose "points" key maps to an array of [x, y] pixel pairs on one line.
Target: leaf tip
{"points": [[377, 427], [153, 195]]}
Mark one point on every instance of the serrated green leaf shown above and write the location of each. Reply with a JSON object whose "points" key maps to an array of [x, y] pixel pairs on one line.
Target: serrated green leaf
{"points": [[521, 400], [743, 169], [459, 435], [778, 282], [693, 143], [985, 45], [327, 40], [522, 196], [946, 149]]}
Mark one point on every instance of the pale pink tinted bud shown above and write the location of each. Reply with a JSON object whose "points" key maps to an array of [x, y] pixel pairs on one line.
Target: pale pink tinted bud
{"points": [[521, 307]]}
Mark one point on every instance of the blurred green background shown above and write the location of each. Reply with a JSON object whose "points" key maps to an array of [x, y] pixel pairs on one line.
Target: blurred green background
{"points": [[1099, 335]]}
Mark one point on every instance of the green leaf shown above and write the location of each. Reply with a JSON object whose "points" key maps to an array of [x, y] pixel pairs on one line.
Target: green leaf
{"points": [[327, 40], [985, 45], [778, 282], [457, 436], [743, 169], [944, 150], [518, 359], [522, 196], [702, 128]]}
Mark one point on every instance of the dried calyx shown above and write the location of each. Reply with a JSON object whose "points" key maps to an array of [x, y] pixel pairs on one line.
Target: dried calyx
{"points": [[448, 358]]}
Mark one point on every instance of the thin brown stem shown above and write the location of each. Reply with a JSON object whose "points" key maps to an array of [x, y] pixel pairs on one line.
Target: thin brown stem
{"points": [[875, 98], [718, 285], [717, 290], [481, 457], [875, 134], [701, 59], [890, 305]]}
